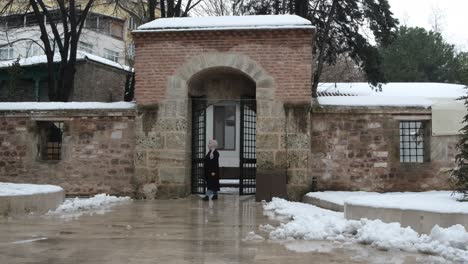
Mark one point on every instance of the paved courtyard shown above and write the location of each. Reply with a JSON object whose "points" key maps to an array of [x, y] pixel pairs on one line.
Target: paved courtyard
{"points": [[174, 231]]}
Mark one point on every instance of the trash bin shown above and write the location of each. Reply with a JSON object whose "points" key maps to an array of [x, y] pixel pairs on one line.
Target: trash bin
{"points": [[271, 183]]}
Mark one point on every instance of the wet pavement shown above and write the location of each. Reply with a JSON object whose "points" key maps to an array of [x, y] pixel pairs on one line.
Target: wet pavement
{"points": [[174, 231]]}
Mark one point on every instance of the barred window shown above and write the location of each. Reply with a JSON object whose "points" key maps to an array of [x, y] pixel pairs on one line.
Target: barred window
{"points": [[412, 141], [50, 133]]}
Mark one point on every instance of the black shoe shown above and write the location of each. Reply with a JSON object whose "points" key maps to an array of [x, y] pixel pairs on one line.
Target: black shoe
{"points": [[215, 197], [206, 198]]}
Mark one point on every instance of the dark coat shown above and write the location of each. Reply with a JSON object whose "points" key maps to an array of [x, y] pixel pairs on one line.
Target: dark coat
{"points": [[212, 165]]}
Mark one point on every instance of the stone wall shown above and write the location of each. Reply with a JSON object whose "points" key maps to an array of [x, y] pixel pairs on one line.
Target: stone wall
{"points": [[97, 151], [96, 82], [358, 149]]}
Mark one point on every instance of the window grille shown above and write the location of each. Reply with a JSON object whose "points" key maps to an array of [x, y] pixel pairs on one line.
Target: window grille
{"points": [[412, 141], [51, 133]]}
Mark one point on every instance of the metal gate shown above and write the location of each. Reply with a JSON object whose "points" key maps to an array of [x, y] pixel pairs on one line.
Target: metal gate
{"points": [[199, 106], [247, 159]]}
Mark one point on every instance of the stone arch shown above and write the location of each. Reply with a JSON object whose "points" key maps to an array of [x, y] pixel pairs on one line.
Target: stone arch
{"points": [[179, 82]]}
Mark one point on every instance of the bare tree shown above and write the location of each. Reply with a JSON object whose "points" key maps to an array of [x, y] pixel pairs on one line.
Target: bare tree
{"points": [[146, 10], [344, 70], [60, 28], [218, 8], [437, 18]]}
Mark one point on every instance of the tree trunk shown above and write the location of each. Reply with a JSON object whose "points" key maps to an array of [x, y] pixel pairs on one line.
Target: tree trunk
{"points": [[322, 49], [152, 8]]}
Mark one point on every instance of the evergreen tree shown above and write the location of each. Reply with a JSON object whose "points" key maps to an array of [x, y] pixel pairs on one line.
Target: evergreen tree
{"points": [[418, 55], [460, 173], [340, 25]]}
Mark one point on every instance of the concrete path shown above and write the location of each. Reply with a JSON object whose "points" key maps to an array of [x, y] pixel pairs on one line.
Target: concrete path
{"points": [[175, 231]]}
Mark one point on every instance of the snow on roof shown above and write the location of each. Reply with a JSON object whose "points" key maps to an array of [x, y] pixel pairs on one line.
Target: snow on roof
{"points": [[81, 55], [226, 23], [397, 101], [390, 94], [65, 106]]}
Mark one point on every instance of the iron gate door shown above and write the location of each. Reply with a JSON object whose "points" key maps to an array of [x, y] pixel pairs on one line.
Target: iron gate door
{"points": [[199, 105], [247, 159]]}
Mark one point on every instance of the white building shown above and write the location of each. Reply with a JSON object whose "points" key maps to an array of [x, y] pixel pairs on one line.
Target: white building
{"points": [[102, 36]]}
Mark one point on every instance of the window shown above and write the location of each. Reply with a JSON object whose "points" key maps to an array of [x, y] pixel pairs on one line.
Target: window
{"points": [[92, 22], [225, 126], [412, 141], [50, 134], [131, 51], [116, 29], [132, 23], [111, 55], [7, 53], [86, 47]]}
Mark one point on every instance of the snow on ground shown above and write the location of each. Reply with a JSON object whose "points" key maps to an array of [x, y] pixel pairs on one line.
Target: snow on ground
{"points": [[98, 204], [13, 189], [308, 222], [337, 197], [226, 22], [65, 106], [229, 190], [432, 201]]}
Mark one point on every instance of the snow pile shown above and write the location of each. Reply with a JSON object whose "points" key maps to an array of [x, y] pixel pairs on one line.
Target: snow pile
{"points": [[251, 236], [99, 204], [433, 201], [13, 189], [309, 222], [226, 22], [65, 106]]}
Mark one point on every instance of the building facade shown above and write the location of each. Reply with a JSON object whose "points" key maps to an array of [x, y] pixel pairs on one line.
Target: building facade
{"points": [[102, 35]]}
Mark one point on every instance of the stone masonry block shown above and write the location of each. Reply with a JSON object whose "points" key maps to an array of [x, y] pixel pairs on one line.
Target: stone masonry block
{"points": [[268, 141]]}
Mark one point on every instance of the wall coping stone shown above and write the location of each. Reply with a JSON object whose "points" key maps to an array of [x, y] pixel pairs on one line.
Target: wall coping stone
{"points": [[369, 110], [68, 112]]}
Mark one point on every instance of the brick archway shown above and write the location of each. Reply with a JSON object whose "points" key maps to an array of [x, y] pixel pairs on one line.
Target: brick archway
{"points": [[178, 83], [278, 61]]}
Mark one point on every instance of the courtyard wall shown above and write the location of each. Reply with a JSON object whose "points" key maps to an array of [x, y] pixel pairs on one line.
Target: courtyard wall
{"points": [[97, 150], [358, 148]]}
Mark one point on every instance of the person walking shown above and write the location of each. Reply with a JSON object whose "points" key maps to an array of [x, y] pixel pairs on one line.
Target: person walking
{"points": [[212, 171]]}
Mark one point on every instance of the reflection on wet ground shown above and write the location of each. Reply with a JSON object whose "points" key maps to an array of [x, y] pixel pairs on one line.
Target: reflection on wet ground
{"points": [[175, 231]]}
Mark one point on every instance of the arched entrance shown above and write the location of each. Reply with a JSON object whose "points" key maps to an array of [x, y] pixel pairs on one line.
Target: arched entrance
{"points": [[224, 108]]}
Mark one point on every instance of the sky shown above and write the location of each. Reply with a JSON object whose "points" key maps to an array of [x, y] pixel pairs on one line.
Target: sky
{"points": [[453, 13]]}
